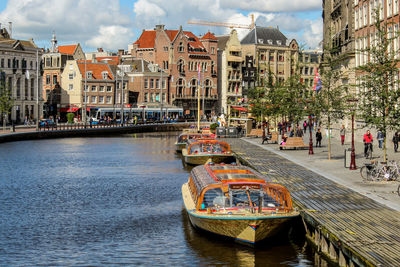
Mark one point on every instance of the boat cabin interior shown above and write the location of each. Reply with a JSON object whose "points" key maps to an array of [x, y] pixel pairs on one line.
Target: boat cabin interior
{"points": [[208, 147]]}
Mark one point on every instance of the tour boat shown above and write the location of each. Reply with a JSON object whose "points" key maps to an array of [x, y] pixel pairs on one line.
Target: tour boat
{"points": [[236, 202], [199, 152], [184, 137]]}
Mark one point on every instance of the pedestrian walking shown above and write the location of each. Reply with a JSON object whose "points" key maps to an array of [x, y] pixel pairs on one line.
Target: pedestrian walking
{"points": [[396, 141], [305, 127], [342, 134], [367, 139], [318, 137], [380, 138], [299, 132]]}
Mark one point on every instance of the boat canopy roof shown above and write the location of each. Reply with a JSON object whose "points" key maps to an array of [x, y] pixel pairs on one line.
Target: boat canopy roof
{"points": [[206, 145], [191, 136], [211, 174]]}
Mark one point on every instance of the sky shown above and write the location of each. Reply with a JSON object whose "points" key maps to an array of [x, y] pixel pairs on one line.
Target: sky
{"points": [[114, 24]]}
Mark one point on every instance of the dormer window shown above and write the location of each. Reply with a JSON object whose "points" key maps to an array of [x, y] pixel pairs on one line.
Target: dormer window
{"points": [[260, 41], [269, 41], [279, 42], [89, 75], [104, 74]]}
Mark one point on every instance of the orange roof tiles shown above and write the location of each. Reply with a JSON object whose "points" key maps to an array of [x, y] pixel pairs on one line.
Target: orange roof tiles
{"points": [[67, 49], [114, 60], [209, 36], [96, 69], [147, 39]]}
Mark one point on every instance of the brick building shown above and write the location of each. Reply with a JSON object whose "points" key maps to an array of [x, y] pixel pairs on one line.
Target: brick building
{"points": [[180, 54]]}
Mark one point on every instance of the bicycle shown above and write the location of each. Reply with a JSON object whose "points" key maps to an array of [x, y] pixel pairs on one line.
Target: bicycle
{"points": [[368, 171], [384, 171]]}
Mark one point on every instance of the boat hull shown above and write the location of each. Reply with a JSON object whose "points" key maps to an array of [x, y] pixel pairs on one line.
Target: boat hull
{"points": [[204, 159], [248, 228]]}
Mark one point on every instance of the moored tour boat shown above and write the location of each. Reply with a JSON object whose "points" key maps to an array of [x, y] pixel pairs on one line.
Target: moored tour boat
{"points": [[199, 152], [236, 202], [184, 137]]}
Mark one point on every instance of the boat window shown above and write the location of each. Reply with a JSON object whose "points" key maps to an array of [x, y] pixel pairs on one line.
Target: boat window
{"points": [[241, 197], [215, 198]]}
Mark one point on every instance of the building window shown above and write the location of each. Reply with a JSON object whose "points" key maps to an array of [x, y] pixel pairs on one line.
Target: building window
{"points": [[101, 88], [87, 88], [54, 79], [93, 99], [71, 76], [157, 83], [212, 50], [180, 86], [101, 99], [151, 83], [89, 75], [271, 57], [71, 87], [146, 96], [181, 48], [109, 89], [104, 75], [2, 63], [47, 79], [9, 63], [94, 88], [208, 87], [109, 99], [193, 88], [181, 66], [146, 83], [165, 48]]}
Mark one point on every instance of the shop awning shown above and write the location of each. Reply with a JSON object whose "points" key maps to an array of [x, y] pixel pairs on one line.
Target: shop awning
{"points": [[240, 108], [68, 109]]}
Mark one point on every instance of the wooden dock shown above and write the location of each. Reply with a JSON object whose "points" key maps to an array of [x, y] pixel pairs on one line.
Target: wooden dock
{"points": [[349, 228]]}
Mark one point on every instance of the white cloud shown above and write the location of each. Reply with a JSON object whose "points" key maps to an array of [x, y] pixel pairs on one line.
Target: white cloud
{"points": [[73, 21], [272, 5], [111, 37]]}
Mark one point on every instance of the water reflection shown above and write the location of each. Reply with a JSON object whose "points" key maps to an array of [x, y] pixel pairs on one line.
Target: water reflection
{"points": [[110, 201]]}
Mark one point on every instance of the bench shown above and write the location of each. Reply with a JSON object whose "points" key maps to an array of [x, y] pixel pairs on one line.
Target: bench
{"points": [[255, 133], [272, 138], [294, 143]]}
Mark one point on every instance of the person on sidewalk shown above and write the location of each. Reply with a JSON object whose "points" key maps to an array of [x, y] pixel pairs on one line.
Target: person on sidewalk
{"points": [[396, 141], [318, 137], [380, 138], [342, 134], [367, 139], [305, 127]]}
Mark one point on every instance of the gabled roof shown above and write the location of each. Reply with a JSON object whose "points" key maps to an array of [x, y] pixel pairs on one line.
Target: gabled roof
{"points": [[209, 36], [222, 40], [114, 60], [96, 69], [146, 39], [266, 36], [67, 49], [138, 65]]}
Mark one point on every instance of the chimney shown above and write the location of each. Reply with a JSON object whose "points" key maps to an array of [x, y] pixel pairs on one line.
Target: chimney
{"points": [[159, 27], [10, 29]]}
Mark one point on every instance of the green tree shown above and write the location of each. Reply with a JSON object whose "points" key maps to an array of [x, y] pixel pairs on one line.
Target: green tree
{"points": [[330, 102], [6, 100], [378, 82]]}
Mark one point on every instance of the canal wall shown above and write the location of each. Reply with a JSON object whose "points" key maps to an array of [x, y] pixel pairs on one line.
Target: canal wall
{"points": [[92, 132]]}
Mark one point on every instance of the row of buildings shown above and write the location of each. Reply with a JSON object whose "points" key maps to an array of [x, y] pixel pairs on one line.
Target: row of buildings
{"points": [[162, 68]]}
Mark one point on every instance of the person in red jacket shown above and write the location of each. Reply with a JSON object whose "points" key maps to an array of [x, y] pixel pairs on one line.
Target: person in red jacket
{"points": [[367, 139]]}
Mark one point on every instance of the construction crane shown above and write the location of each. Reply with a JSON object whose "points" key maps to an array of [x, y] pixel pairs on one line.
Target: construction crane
{"points": [[224, 24]]}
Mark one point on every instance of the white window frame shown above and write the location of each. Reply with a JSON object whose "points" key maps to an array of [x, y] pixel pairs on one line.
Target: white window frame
{"points": [[381, 9], [91, 88], [395, 7], [389, 7], [70, 87], [101, 99], [109, 88], [109, 99], [101, 88], [89, 75], [93, 99], [70, 76], [365, 15]]}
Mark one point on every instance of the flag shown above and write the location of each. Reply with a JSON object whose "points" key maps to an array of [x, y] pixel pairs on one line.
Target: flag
{"points": [[317, 82], [236, 89], [27, 75]]}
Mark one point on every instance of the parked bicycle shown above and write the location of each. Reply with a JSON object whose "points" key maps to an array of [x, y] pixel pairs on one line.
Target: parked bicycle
{"points": [[380, 171]]}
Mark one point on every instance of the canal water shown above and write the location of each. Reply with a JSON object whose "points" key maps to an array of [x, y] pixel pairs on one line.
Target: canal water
{"points": [[113, 201]]}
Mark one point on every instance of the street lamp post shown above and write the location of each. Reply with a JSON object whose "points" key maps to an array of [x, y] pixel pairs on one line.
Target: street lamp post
{"points": [[353, 152], [85, 89], [310, 148]]}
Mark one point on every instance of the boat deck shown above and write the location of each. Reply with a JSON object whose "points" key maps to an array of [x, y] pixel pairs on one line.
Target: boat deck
{"points": [[344, 221]]}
